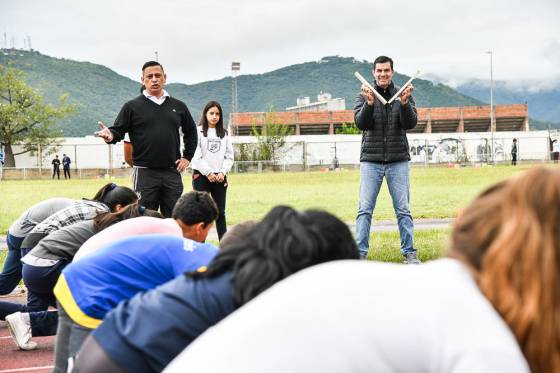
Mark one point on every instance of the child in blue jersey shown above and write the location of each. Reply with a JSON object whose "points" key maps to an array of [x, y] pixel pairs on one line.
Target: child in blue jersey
{"points": [[92, 286], [145, 333]]}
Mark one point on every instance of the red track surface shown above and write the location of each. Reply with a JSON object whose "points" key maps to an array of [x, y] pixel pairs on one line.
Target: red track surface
{"points": [[12, 359]]}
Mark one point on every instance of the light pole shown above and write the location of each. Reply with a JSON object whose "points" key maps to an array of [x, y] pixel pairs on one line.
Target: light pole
{"points": [[235, 67], [156, 53], [492, 119]]}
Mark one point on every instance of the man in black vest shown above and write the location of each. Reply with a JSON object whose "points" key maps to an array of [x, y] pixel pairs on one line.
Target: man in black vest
{"points": [[385, 154], [152, 121]]}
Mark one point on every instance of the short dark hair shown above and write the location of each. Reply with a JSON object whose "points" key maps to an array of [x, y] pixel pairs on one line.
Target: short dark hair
{"points": [[383, 59], [150, 64], [284, 242], [195, 207]]}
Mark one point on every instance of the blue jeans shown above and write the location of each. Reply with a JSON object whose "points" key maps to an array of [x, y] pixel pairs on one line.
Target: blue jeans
{"points": [[371, 178], [11, 273]]}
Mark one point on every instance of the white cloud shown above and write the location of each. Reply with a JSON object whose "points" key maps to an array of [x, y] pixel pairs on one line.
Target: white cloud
{"points": [[197, 41]]}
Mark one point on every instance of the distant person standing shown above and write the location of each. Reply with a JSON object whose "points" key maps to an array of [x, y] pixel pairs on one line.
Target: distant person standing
{"points": [[213, 160], [555, 151], [1, 160], [56, 167], [514, 153], [385, 154], [66, 165], [152, 121]]}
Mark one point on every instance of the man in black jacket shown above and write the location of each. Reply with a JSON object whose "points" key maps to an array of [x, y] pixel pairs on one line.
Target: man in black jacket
{"points": [[385, 153], [152, 121]]}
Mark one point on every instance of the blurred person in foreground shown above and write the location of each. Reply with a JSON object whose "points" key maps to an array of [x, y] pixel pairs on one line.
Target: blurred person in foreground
{"points": [[493, 305]]}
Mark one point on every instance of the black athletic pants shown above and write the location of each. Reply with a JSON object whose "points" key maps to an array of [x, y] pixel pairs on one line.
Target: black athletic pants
{"points": [[159, 188], [67, 172], [218, 193]]}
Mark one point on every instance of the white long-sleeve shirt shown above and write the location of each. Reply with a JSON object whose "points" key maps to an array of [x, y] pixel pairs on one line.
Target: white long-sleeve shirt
{"points": [[213, 155]]}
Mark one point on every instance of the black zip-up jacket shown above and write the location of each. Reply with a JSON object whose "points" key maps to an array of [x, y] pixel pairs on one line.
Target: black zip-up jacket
{"points": [[154, 131], [384, 127]]}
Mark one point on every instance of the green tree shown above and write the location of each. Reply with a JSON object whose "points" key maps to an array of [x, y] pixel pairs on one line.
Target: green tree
{"points": [[271, 138], [24, 117], [348, 129]]}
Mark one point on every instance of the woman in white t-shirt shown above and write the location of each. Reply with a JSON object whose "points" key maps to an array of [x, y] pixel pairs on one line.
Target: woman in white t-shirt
{"points": [[213, 160]]}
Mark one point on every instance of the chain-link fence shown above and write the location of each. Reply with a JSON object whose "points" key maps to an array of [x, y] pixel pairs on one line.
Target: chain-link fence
{"points": [[300, 153]]}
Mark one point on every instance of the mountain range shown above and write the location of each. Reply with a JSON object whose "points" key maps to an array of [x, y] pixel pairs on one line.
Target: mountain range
{"points": [[99, 92]]}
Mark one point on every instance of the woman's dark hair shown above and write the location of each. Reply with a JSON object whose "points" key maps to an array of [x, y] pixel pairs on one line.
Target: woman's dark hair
{"points": [[284, 242], [220, 130], [112, 195], [106, 219]]}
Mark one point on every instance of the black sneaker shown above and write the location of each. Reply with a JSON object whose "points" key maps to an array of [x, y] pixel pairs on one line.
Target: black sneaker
{"points": [[411, 258]]}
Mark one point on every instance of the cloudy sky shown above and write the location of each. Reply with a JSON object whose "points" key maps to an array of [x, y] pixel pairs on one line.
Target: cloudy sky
{"points": [[197, 40]]}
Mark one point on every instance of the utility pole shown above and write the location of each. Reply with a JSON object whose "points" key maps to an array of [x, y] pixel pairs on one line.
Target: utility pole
{"points": [[235, 67], [157, 57], [492, 119]]}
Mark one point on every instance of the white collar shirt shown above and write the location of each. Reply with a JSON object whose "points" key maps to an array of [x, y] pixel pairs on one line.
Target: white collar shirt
{"points": [[158, 101]]}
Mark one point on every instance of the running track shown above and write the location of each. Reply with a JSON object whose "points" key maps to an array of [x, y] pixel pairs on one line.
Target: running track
{"points": [[12, 359]]}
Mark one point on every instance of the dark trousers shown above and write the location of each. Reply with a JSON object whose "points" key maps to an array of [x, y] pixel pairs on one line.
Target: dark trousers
{"points": [[11, 273], [158, 188], [40, 283], [67, 172], [218, 193], [514, 159], [56, 170]]}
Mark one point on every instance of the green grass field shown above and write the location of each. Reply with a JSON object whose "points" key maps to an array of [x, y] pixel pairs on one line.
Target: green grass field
{"points": [[435, 193]]}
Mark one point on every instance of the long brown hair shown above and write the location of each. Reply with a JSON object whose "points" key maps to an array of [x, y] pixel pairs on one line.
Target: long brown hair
{"points": [[510, 237]]}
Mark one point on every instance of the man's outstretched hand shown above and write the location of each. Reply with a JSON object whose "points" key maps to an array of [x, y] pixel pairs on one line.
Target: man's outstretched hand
{"points": [[104, 132]]}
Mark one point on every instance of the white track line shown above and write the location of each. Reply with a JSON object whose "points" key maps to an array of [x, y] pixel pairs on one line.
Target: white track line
{"points": [[25, 369]]}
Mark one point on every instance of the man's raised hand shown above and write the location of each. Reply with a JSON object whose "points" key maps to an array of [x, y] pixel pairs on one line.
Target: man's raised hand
{"points": [[104, 132]]}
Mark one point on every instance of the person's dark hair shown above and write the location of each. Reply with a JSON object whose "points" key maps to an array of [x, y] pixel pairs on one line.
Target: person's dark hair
{"points": [[383, 59], [195, 207], [106, 219], [220, 130], [112, 195], [150, 64], [237, 233], [514, 140], [284, 242]]}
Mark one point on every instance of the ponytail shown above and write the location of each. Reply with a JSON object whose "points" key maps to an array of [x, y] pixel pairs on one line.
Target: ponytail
{"points": [[112, 195]]}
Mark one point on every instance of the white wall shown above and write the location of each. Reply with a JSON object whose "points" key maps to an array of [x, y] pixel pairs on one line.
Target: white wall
{"points": [[92, 152]]}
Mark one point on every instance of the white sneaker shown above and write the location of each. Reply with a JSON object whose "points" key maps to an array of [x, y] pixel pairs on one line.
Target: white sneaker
{"points": [[19, 326]]}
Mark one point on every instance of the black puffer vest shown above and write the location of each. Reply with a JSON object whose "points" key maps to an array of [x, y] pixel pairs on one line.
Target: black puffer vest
{"points": [[384, 127]]}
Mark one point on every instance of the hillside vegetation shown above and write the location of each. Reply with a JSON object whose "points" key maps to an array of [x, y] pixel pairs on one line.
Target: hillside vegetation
{"points": [[99, 92]]}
